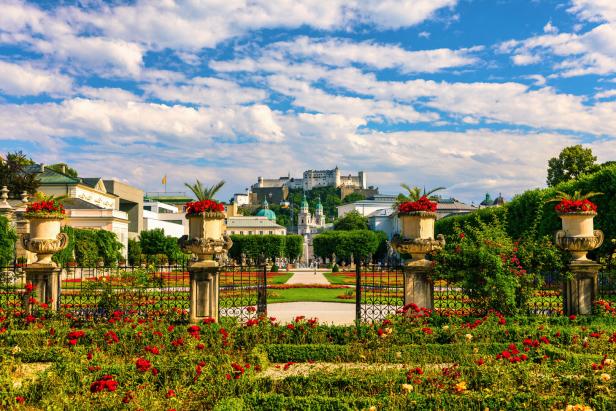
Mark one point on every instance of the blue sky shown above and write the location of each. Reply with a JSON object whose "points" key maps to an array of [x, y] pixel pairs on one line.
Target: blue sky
{"points": [[474, 95]]}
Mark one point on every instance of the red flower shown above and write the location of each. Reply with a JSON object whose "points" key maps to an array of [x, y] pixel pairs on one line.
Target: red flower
{"points": [[575, 206], [423, 204], [143, 365], [427, 330], [170, 394], [572, 317], [106, 382], [29, 288], [111, 337], [20, 400], [204, 206]]}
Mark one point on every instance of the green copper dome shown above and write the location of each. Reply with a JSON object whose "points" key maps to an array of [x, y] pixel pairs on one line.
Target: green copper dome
{"points": [[319, 205], [304, 202], [266, 212]]}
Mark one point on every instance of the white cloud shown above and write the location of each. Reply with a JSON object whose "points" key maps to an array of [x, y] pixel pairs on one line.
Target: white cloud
{"points": [[24, 80], [525, 59], [594, 10], [605, 94], [207, 91], [400, 13], [550, 28], [340, 52]]}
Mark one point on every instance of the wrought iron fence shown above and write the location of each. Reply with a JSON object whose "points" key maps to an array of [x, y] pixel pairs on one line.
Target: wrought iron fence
{"points": [[607, 286], [243, 291], [12, 282], [150, 291], [452, 299], [379, 291]]}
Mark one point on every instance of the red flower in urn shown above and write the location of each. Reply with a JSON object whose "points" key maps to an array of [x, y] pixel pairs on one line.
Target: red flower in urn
{"points": [[204, 206], [423, 204], [45, 208]]}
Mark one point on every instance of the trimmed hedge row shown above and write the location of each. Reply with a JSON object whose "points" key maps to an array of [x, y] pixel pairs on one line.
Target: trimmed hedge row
{"points": [[410, 354], [270, 246], [528, 208], [413, 401]]}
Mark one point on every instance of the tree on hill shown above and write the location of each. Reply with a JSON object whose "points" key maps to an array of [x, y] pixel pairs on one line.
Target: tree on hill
{"points": [[64, 168], [351, 221], [13, 174], [571, 163]]}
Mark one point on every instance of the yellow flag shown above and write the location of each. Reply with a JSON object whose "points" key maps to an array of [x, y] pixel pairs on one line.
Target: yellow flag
{"points": [[165, 179]]}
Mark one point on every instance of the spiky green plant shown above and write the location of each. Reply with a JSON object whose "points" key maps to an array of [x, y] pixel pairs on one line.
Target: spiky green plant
{"points": [[576, 196], [415, 193], [203, 192]]}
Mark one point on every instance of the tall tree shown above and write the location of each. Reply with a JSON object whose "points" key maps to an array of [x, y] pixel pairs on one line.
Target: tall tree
{"points": [[572, 162], [13, 174], [351, 221], [64, 168], [203, 192]]}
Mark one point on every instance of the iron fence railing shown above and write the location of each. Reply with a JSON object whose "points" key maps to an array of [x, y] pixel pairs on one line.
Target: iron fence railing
{"points": [[147, 290], [243, 291], [379, 291]]}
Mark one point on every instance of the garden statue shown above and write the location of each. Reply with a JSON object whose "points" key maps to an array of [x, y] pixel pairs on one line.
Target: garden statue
{"points": [[578, 236], [45, 217], [417, 240], [206, 239]]}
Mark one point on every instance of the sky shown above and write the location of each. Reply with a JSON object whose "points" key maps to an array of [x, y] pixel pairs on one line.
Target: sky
{"points": [[473, 95]]}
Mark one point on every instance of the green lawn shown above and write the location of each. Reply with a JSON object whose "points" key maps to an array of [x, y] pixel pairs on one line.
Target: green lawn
{"points": [[307, 294], [280, 278]]}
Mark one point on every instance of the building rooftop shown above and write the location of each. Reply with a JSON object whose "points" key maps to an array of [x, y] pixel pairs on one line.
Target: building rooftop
{"points": [[251, 222], [48, 176]]}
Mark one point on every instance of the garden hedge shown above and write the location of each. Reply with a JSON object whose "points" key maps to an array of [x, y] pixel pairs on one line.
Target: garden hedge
{"points": [[87, 247], [523, 210], [270, 246], [358, 243], [7, 242]]}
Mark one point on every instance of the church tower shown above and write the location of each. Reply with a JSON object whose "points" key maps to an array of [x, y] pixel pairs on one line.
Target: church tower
{"points": [[304, 218], [319, 217]]}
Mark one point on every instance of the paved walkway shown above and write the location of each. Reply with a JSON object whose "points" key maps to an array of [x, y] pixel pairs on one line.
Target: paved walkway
{"points": [[307, 277], [327, 313]]}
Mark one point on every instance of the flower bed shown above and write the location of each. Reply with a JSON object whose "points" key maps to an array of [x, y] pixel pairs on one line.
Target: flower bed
{"points": [[424, 361]]}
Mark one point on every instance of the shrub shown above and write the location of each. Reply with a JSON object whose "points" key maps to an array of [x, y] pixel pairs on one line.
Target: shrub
{"points": [[358, 243], [134, 252], [294, 246], [335, 268], [68, 254], [7, 242], [529, 209], [493, 269]]}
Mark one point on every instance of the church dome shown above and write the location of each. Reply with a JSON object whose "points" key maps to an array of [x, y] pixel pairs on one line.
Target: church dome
{"points": [[266, 212]]}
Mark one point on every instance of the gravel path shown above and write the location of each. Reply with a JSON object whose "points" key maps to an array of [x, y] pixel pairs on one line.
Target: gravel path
{"points": [[307, 277]]}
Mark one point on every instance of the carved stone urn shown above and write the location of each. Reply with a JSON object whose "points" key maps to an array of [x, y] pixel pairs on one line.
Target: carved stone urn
{"points": [[578, 235], [45, 238], [206, 239], [417, 237]]}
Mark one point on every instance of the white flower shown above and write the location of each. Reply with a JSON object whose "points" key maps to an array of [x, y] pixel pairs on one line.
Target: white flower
{"points": [[16, 350], [468, 337], [605, 377]]}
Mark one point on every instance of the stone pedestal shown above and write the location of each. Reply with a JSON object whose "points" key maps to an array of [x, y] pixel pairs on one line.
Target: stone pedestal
{"points": [[45, 279], [203, 293], [580, 293], [418, 287]]}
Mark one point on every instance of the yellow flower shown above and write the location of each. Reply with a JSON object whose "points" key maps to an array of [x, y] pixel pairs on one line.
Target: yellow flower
{"points": [[389, 330], [475, 350], [373, 408], [398, 355], [468, 337], [407, 388], [608, 362], [445, 327], [605, 377], [461, 386], [578, 407]]}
